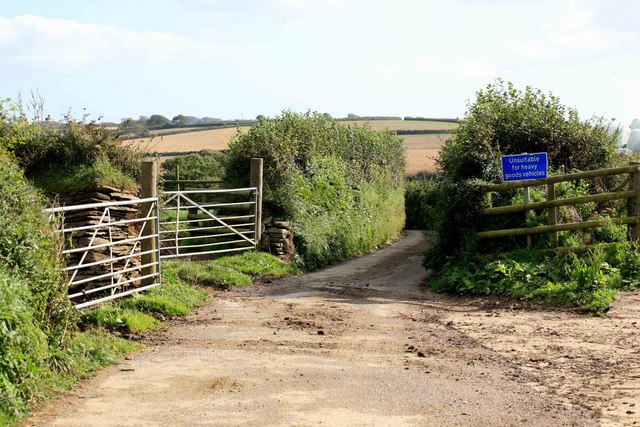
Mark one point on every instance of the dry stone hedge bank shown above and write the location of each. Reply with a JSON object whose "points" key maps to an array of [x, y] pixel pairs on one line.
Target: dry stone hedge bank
{"points": [[277, 239], [101, 235]]}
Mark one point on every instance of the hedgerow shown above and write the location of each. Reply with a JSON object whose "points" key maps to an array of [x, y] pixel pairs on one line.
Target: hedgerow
{"points": [[340, 186], [41, 351], [67, 155], [503, 120], [205, 165], [35, 312]]}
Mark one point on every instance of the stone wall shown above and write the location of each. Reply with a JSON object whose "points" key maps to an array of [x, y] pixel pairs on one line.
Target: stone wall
{"points": [[277, 239], [104, 235]]}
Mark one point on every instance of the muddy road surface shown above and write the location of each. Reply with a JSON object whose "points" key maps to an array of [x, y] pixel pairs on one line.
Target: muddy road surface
{"points": [[363, 344]]}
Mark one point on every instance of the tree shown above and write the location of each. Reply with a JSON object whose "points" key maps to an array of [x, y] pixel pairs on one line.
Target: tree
{"points": [[157, 120], [260, 117], [504, 120], [133, 126], [182, 120]]}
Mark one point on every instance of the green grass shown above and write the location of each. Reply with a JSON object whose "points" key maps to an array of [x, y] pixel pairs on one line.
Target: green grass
{"points": [[208, 274], [156, 304], [257, 264], [589, 281], [114, 317], [135, 314], [229, 271]]}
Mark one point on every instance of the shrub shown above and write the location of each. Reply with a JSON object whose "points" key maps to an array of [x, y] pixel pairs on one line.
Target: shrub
{"points": [[340, 186], [57, 153], [504, 120], [455, 215], [420, 199], [35, 311], [590, 280]]}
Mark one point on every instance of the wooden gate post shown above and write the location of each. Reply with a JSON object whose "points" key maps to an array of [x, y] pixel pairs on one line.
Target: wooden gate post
{"points": [[255, 180], [148, 185], [634, 203], [552, 213]]}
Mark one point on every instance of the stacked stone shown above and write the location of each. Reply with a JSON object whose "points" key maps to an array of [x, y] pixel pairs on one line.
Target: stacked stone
{"points": [[277, 239], [103, 235]]}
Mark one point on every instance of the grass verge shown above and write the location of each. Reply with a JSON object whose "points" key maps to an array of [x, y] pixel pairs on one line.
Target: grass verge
{"points": [[230, 271], [590, 280], [140, 313]]}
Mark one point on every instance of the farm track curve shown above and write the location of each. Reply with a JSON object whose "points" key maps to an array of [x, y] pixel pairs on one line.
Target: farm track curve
{"points": [[363, 344]]}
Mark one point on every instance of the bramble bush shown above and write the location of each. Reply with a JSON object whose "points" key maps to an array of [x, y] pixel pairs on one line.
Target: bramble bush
{"points": [[504, 120], [340, 186]]}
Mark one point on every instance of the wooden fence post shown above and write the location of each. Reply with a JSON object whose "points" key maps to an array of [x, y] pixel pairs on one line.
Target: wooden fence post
{"points": [[634, 203], [177, 177], [148, 185], [255, 180], [552, 213]]}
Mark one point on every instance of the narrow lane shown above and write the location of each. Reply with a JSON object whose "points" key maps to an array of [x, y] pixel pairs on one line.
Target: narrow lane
{"points": [[355, 344]]}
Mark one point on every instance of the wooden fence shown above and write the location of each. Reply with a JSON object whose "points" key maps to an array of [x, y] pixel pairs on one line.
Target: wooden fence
{"points": [[632, 194]]}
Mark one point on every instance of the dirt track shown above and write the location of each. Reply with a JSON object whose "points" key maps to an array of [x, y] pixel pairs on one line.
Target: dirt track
{"points": [[362, 344]]}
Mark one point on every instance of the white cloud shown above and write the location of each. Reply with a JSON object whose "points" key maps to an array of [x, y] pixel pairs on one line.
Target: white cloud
{"points": [[459, 67], [575, 18], [66, 46], [531, 51], [389, 69], [310, 3], [572, 33]]}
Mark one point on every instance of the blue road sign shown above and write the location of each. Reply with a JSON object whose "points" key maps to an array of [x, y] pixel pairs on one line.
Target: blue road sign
{"points": [[523, 167]]}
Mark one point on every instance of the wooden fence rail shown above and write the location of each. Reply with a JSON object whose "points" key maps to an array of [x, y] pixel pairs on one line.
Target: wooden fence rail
{"points": [[551, 204]]}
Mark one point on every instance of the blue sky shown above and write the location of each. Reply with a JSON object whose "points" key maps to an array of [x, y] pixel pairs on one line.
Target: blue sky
{"points": [[240, 58]]}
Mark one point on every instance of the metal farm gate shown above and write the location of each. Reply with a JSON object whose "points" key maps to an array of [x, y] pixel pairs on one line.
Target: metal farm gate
{"points": [[203, 222], [113, 249], [110, 248]]}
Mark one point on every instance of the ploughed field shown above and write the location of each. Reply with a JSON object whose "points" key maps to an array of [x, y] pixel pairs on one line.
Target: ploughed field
{"points": [[422, 149]]}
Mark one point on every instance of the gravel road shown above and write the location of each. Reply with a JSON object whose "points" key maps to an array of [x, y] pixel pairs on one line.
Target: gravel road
{"points": [[363, 344]]}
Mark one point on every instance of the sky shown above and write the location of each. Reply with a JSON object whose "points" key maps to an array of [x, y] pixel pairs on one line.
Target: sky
{"points": [[236, 59]]}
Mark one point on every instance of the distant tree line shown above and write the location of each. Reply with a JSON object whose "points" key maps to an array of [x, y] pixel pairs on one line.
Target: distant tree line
{"points": [[423, 131], [427, 119], [139, 128], [352, 116]]}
